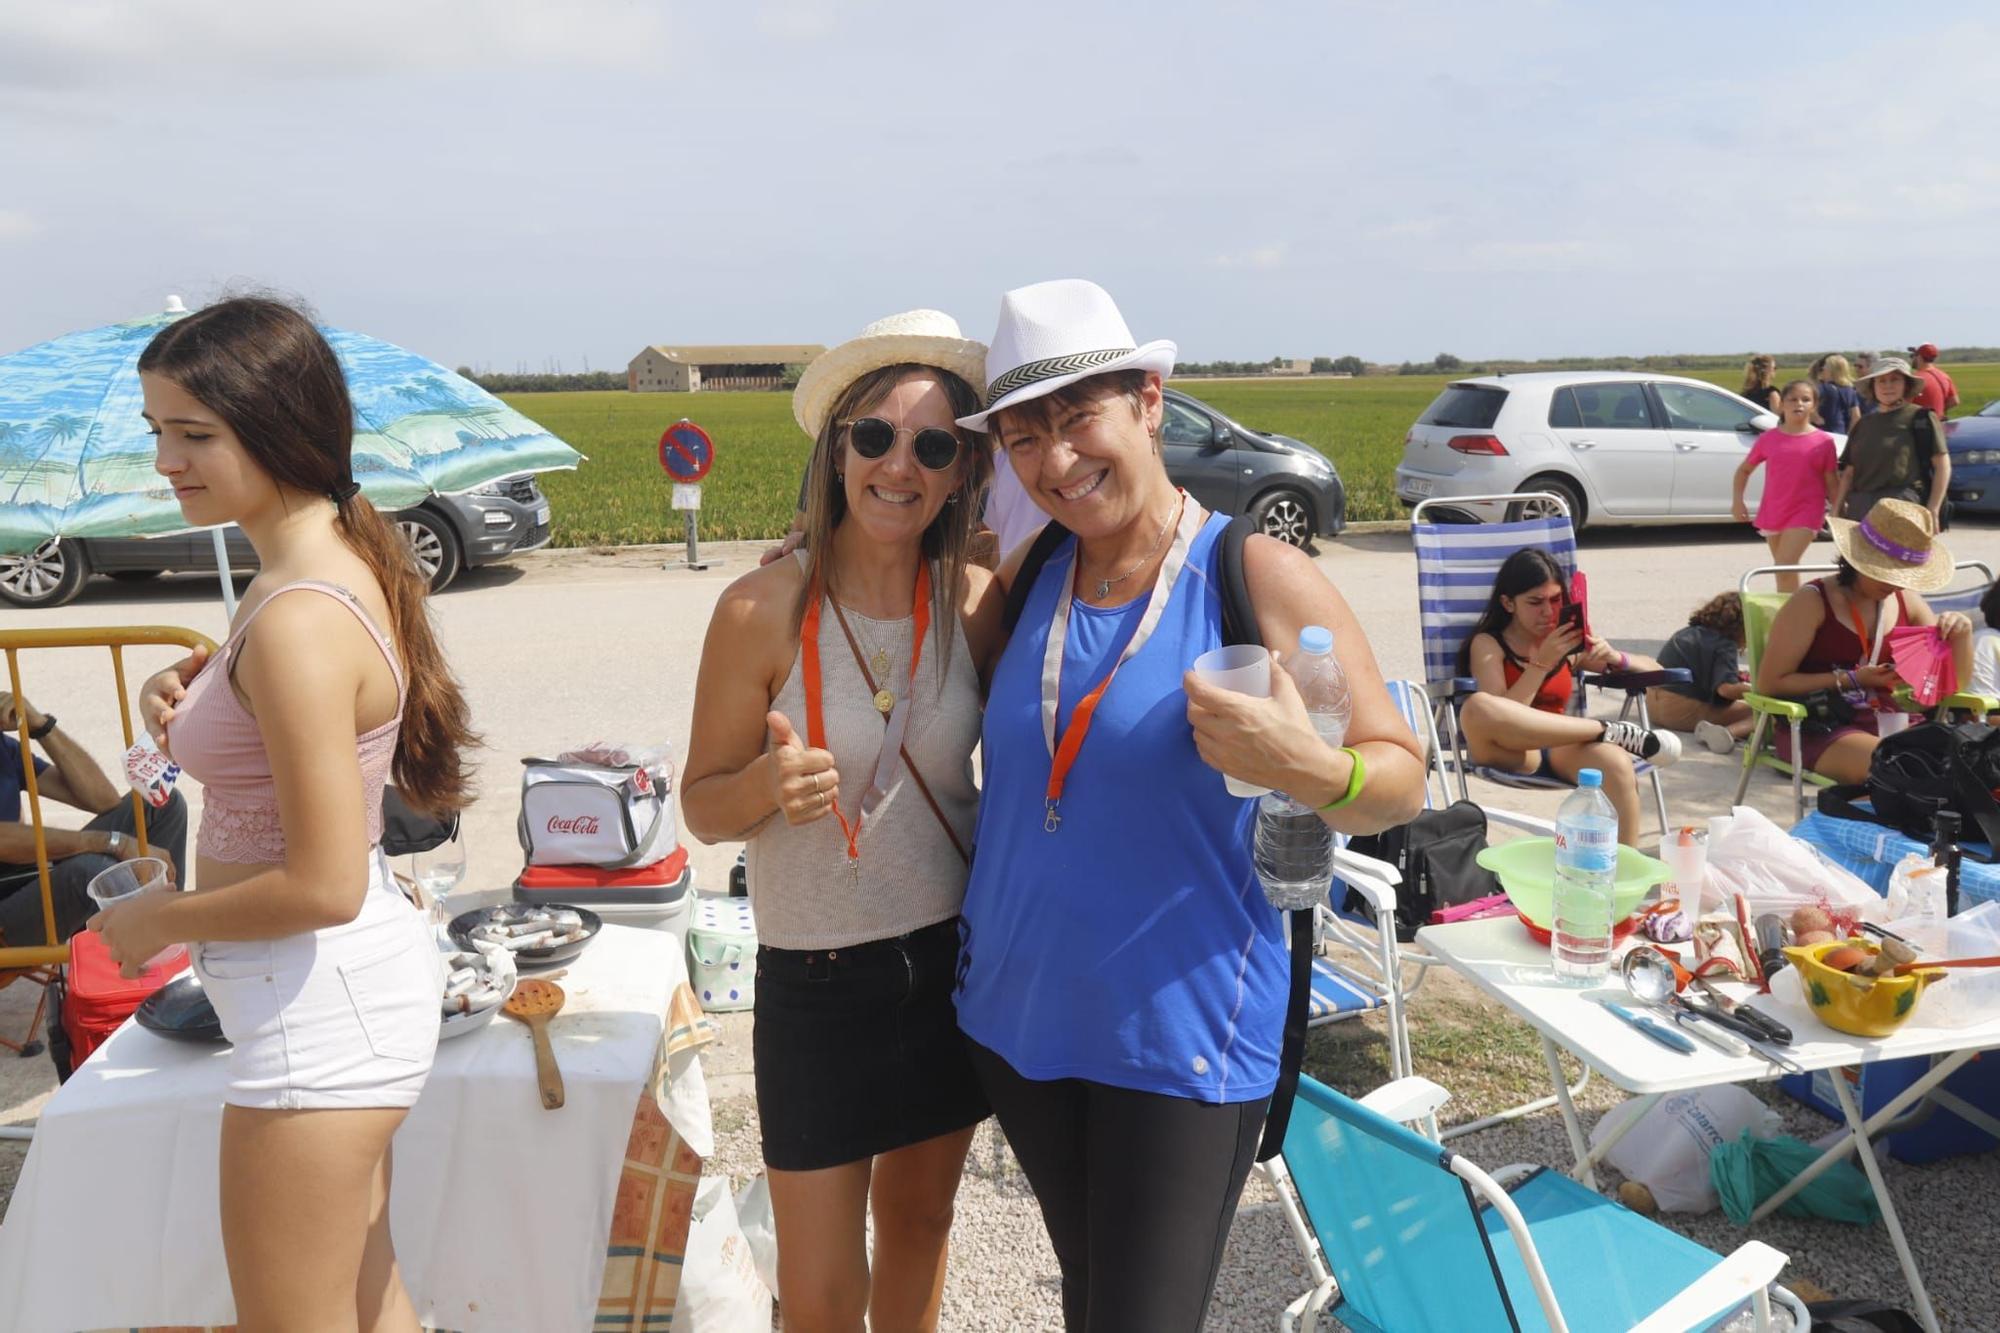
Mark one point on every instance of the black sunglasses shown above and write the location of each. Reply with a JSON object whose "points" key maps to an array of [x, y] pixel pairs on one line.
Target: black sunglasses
{"points": [[873, 437]]}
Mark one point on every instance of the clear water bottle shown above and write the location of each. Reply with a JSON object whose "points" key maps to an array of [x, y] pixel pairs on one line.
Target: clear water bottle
{"points": [[1293, 847], [1586, 867]]}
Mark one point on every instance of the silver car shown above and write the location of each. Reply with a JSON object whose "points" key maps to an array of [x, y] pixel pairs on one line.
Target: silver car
{"points": [[447, 533], [1619, 447]]}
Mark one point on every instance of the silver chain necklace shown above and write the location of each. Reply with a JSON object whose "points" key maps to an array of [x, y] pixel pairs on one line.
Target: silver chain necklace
{"points": [[1104, 586]]}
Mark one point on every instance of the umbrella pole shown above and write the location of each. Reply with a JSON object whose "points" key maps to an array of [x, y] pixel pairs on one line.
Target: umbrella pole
{"points": [[222, 572]]}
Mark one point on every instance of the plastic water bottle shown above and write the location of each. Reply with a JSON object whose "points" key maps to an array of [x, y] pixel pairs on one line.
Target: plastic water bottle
{"points": [[1293, 847], [1586, 866]]}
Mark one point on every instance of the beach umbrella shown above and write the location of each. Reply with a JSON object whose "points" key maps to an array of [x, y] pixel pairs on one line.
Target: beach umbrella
{"points": [[76, 459]]}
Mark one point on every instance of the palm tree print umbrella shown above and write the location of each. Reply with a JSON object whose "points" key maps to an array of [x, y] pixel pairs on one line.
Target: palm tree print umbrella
{"points": [[76, 458]]}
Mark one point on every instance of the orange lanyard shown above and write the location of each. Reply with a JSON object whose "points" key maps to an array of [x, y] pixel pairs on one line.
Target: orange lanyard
{"points": [[920, 615]]}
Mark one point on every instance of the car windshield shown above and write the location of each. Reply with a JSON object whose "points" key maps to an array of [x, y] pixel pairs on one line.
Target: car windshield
{"points": [[1466, 406], [1992, 409]]}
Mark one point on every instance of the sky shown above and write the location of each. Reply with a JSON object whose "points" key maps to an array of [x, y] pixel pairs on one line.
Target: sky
{"points": [[520, 185]]}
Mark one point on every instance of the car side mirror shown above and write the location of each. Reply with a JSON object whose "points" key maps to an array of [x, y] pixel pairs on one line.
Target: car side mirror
{"points": [[1222, 439], [1758, 424]]}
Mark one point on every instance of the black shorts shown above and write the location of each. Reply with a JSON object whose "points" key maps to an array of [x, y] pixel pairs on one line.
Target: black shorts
{"points": [[858, 1051]]}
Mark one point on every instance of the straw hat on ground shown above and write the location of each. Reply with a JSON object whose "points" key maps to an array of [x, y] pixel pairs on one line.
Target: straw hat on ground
{"points": [[1055, 333], [915, 337], [1897, 543]]}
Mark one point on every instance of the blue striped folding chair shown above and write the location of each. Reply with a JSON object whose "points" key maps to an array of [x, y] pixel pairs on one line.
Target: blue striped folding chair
{"points": [[1399, 1233], [1456, 565]]}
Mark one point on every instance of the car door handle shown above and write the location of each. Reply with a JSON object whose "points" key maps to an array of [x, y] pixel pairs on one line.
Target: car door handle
{"points": [[1249, 472], [1683, 447], [1583, 444]]}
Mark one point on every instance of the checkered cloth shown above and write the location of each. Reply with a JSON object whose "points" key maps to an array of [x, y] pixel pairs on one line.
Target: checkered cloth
{"points": [[1872, 851]]}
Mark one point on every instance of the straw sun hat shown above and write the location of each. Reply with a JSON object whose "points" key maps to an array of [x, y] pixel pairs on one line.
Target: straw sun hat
{"points": [[1897, 543], [915, 337]]}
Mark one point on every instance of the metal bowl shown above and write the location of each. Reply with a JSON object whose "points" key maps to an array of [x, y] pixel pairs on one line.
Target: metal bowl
{"points": [[180, 1010], [509, 913]]}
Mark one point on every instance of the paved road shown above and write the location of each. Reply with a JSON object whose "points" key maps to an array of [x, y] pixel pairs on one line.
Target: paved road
{"points": [[568, 646]]}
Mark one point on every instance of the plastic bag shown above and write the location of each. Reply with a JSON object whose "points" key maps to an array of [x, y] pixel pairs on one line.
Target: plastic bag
{"points": [[720, 1290], [1668, 1150], [1776, 872], [1916, 888], [1750, 1170], [1964, 997], [760, 1227]]}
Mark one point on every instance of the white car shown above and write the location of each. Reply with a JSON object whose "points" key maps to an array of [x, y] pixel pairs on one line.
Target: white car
{"points": [[1620, 447]]}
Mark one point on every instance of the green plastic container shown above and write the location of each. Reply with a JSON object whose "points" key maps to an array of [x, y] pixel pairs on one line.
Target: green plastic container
{"points": [[1527, 871]]}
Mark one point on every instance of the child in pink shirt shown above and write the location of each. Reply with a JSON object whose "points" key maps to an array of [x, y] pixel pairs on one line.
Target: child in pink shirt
{"points": [[1799, 475]]}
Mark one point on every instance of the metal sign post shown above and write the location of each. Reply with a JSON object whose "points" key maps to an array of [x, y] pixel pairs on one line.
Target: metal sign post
{"points": [[686, 455]]}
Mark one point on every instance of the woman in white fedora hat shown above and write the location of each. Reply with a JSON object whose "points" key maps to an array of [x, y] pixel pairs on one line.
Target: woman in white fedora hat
{"points": [[1894, 448], [1830, 639], [1124, 979], [836, 712]]}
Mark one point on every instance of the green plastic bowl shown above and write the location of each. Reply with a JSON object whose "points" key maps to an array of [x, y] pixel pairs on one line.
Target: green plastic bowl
{"points": [[1527, 871]]}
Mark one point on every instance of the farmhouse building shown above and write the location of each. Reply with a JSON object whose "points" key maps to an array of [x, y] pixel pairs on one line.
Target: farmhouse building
{"points": [[683, 369], [1297, 366]]}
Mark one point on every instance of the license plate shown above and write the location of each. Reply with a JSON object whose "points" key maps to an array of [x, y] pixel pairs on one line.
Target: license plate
{"points": [[1416, 487], [541, 516]]}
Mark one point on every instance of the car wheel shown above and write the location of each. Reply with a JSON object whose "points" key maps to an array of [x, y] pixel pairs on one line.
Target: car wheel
{"points": [[134, 575], [1561, 486], [1286, 515], [434, 545], [50, 575]]}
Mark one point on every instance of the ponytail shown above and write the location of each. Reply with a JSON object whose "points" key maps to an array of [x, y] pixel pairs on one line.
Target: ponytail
{"points": [[437, 729]]}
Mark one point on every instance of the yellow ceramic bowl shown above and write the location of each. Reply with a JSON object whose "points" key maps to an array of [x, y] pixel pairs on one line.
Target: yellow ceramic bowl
{"points": [[1858, 1006]]}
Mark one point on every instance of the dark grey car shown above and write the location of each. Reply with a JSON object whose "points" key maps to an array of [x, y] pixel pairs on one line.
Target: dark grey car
{"points": [[1289, 487], [447, 533]]}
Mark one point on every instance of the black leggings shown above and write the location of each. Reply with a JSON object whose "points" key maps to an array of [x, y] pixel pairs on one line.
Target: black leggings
{"points": [[1137, 1189]]}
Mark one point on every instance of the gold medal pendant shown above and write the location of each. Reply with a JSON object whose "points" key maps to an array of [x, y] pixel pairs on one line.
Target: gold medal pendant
{"points": [[879, 664], [885, 702]]}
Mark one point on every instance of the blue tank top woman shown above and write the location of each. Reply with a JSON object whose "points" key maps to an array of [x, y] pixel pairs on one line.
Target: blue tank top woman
{"points": [[1132, 946]]}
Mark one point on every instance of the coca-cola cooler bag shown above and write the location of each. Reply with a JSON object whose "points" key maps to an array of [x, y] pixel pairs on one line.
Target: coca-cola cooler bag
{"points": [[580, 813], [91, 999], [656, 896]]}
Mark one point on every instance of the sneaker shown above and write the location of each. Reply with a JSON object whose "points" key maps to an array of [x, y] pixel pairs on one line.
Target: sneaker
{"points": [[1716, 738], [1659, 748]]}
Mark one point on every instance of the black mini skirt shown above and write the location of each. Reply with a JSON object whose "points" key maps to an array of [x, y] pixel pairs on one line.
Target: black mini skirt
{"points": [[858, 1051]]}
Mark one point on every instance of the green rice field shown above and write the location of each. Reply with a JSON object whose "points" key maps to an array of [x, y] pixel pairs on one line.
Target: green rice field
{"points": [[620, 496]]}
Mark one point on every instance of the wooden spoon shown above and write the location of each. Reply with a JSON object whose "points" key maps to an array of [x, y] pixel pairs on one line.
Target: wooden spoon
{"points": [[535, 1002], [1903, 969]]}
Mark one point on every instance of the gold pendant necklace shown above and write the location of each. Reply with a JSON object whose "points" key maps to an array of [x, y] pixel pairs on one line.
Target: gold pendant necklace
{"points": [[879, 662]]}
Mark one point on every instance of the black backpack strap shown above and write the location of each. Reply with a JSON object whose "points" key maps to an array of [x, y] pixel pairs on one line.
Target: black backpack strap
{"points": [[1039, 551], [1239, 618]]}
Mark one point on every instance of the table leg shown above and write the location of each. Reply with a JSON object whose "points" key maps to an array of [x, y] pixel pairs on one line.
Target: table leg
{"points": [[1585, 1173], [1901, 1102], [1925, 1314]]}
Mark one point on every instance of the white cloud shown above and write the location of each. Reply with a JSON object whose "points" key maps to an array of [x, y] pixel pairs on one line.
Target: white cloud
{"points": [[93, 41], [17, 226], [1261, 257]]}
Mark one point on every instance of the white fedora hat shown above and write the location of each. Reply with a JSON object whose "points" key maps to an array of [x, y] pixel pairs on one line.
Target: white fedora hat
{"points": [[1055, 333], [915, 337]]}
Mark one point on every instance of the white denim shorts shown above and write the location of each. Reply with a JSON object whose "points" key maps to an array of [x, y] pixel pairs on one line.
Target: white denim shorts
{"points": [[341, 1017]]}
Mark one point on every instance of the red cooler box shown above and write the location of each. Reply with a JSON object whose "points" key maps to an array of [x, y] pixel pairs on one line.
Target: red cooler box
{"points": [[91, 999], [655, 896]]}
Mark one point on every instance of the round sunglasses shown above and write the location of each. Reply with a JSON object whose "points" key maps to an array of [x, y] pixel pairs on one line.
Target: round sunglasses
{"points": [[872, 437]]}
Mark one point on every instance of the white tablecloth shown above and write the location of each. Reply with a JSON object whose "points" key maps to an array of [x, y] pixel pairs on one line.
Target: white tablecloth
{"points": [[500, 1209]]}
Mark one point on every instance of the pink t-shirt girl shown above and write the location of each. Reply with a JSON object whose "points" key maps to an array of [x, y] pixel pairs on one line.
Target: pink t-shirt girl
{"points": [[1795, 472]]}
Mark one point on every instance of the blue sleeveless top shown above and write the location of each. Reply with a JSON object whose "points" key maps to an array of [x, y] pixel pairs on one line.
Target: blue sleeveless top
{"points": [[1132, 946]]}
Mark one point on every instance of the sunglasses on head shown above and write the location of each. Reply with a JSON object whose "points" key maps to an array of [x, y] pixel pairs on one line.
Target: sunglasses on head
{"points": [[872, 437]]}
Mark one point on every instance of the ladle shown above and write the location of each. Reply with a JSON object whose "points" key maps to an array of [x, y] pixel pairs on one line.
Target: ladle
{"points": [[1650, 974]]}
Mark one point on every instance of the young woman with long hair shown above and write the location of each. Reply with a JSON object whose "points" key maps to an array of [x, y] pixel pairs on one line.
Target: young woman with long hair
{"points": [[1800, 470], [1759, 375], [1839, 402], [325, 978], [878, 630], [1526, 660]]}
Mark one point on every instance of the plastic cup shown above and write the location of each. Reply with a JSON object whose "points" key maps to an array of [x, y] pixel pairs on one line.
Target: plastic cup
{"points": [[128, 879], [1890, 721], [1685, 850], [1246, 669]]}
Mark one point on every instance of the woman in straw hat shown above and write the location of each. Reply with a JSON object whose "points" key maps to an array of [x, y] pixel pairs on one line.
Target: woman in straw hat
{"points": [[1124, 978], [1832, 634], [1893, 447], [836, 712]]}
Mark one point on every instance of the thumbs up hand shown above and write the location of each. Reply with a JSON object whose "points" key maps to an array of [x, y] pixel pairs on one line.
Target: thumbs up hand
{"points": [[804, 782]]}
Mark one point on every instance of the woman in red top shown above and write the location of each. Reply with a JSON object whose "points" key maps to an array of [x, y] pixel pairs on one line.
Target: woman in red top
{"points": [[1525, 660], [1830, 633]]}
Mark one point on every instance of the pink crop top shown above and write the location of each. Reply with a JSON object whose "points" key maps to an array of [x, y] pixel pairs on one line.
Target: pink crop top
{"points": [[214, 738]]}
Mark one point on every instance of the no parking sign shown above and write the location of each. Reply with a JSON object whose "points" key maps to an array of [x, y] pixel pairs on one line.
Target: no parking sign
{"points": [[686, 455]]}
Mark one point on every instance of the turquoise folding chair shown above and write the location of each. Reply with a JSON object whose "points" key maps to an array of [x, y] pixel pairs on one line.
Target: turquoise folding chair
{"points": [[1456, 565], [1403, 1236]]}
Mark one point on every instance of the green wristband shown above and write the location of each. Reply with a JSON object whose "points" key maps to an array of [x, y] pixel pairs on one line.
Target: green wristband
{"points": [[1354, 780]]}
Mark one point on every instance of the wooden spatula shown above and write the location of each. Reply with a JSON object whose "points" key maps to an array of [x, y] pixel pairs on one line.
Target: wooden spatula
{"points": [[535, 1002]]}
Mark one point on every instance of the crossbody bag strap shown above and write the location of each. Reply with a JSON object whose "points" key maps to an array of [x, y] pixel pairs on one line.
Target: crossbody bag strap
{"points": [[915, 776]]}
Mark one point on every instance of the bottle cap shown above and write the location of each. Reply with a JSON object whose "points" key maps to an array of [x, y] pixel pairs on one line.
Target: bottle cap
{"points": [[1315, 639], [1589, 777]]}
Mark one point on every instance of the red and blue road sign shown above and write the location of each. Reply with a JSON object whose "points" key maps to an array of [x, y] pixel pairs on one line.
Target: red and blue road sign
{"points": [[686, 452]]}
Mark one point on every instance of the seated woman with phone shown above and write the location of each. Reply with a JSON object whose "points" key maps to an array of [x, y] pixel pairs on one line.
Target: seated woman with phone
{"points": [[1530, 645]]}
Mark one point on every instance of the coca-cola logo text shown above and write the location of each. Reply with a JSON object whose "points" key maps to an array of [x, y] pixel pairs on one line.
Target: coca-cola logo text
{"points": [[575, 824]]}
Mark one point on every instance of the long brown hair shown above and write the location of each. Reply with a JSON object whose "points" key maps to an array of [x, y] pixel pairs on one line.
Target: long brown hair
{"points": [[1758, 372], [944, 541], [262, 367]]}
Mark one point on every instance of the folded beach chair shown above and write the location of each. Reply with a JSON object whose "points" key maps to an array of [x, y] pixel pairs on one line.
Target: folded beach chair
{"points": [[1759, 610], [1456, 565], [1400, 1234]]}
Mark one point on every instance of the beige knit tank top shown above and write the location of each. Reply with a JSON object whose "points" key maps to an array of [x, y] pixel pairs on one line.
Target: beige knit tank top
{"points": [[910, 875]]}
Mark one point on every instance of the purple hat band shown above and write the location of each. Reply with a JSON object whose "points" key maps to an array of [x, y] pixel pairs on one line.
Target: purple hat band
{"points": [[1909, 555]]}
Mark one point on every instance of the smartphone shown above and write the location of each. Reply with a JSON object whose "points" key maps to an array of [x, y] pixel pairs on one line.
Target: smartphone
{"points": [[1576, 607]]}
